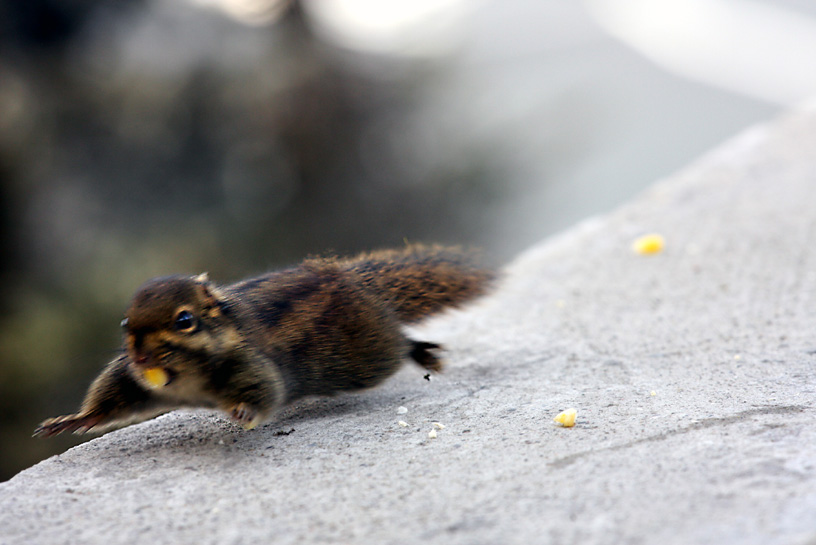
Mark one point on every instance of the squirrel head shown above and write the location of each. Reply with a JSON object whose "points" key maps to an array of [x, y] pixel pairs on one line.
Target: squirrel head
{"points": [[176, 329]]}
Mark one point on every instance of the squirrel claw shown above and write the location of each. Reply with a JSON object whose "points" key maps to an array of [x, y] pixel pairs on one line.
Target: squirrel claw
{"points": [[69, 423], [245, 415]]}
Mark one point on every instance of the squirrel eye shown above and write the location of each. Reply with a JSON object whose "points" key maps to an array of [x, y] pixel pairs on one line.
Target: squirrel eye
{"points": [[123, 324], [184, 321]]}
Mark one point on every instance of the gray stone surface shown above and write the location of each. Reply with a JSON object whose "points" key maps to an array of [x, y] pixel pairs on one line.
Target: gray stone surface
{"points": [[692, 372]]}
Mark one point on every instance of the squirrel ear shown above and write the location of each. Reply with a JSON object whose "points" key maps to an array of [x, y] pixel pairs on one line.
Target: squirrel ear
{"points": [[207, 290]]}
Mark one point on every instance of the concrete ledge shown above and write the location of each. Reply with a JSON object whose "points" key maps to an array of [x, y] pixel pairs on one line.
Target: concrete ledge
{"points": [[692, 372]]}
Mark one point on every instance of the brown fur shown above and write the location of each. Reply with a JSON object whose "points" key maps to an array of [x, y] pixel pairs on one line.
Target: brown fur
{"points": [[325, 326]]}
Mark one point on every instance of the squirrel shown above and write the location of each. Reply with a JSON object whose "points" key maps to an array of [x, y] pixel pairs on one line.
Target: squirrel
{"points": [[325, 326]]}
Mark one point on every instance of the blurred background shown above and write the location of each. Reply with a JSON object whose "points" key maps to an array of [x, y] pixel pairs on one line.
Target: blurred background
{"points": [[147, 137]]}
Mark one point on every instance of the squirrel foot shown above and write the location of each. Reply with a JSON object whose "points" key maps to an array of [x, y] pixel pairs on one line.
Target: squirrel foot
{"points": [[421, 353]]}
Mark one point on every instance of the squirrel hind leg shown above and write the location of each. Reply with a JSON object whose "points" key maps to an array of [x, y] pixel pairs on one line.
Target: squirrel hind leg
{"points": [[421, 353]]}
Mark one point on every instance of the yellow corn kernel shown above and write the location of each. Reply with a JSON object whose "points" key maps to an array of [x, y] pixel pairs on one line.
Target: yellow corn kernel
{"points": [[648, 244], [156, 377], [566, 418]]}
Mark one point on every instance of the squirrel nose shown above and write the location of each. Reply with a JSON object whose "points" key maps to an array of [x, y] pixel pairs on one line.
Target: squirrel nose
{"points": [[140, 358]]}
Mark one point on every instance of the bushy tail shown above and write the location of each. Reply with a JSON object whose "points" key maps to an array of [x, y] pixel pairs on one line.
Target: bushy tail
{"points": [[420, 280]]}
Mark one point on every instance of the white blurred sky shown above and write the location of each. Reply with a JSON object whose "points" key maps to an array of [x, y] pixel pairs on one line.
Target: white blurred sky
{"points": [[765, 50]]}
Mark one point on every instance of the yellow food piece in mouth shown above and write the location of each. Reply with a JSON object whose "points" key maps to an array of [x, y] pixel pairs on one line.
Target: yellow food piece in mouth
{"points": [[648, 244], [156, 377], [567, 418]]}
